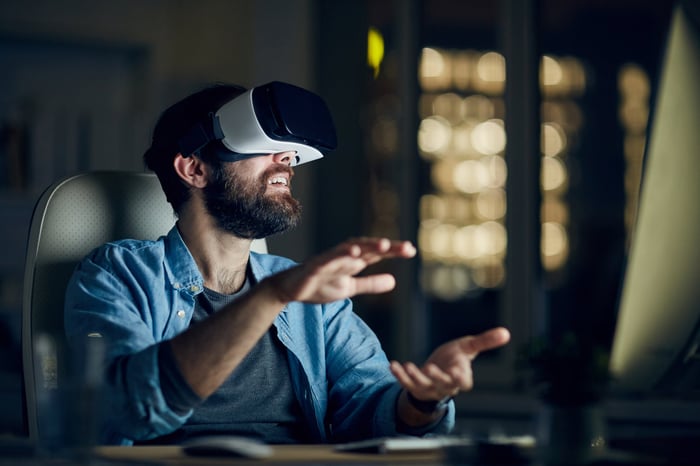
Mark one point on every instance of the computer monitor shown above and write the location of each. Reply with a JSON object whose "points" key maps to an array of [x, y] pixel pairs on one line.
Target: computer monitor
{"points": [[656, 347]]}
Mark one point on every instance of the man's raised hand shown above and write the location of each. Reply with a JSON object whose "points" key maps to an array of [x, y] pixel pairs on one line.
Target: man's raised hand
{"points": [[332, 275]]}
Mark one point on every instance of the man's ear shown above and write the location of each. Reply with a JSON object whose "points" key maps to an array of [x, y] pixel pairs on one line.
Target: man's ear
{"points": [[192, 170]]}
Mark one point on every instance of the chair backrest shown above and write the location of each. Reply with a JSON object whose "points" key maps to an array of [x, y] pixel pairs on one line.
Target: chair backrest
{"points": [[72, 217]]}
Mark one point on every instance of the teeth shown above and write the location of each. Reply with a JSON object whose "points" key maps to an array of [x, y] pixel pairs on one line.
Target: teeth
{"points": [[278, 180]]}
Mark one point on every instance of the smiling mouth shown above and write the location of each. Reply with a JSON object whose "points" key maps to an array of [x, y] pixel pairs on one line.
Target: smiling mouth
{"points": [[278, 181]]}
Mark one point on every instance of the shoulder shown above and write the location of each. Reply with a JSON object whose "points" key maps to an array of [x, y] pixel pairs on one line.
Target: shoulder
{"points": [[129, 247], [264, 265], [127, 253]]}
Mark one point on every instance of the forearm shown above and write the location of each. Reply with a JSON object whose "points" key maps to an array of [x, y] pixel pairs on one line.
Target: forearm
{"points": [[209, 351]]}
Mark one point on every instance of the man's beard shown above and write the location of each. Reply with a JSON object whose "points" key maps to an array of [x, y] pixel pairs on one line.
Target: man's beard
{"points": [[242, 207]]}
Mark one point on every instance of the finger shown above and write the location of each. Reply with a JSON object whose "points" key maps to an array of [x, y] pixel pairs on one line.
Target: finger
{"points": [[375, 249], [348, 257], [404, 249], [341, 251], [390, 248], [410, 376], [490, 339], [417, 376], [357, 254], [374, 284], [441, 379], [370, 244], [400, 373], [335, 267]]}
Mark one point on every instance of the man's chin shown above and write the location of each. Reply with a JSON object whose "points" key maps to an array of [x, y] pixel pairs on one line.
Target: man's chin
{"points": [[285, 203], [280, 195]]}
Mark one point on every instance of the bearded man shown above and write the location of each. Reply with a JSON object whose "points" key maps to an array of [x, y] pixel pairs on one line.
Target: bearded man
{"points": [[203, 336]]}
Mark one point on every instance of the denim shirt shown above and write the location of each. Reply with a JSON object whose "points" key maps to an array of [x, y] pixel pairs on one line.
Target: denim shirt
{"points": [[136, 294]]}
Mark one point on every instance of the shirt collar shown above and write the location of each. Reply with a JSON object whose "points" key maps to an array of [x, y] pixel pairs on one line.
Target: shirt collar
{"points": [[183, 269], [180, 264]]}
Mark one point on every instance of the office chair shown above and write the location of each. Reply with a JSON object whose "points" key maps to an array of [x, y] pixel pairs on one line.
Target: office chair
{"points": [[72, 217]]}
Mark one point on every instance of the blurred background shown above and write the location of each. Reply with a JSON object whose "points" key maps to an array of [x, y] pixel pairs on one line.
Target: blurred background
{"points": [[505, 138]]}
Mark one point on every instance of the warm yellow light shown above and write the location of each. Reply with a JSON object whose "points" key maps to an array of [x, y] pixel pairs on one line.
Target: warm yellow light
{"points": [[441, 240], [489, 274], [554, 238], [461, 140], [551, 72], [448, 106], [489, 137], [442, 175], [434, 135], [425, 104], [470, 176], [432, 63], [633, 82], [424, 236], [493, 238], [490, 75], [553, 139], [465, 243], [375, 50], [565, 113], [460, 209], [634, 146], [554, 245], [491, 204], [497, 170], [478, 107], [634, 115], [492, 67], [575, 75], [554, 174], [434, 69], [433, 207], [554, 210], [480, 242], [447, 282], [462, 69]]}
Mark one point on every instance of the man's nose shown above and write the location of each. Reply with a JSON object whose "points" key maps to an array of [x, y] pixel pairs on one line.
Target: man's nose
{"points": [[284, 157]]}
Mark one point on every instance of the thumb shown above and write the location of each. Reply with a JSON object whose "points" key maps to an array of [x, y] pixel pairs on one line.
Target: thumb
{"points": [[472, 345]]}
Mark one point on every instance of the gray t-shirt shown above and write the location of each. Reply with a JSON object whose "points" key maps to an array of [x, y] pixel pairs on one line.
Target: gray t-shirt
{"points": [[257, 400]]}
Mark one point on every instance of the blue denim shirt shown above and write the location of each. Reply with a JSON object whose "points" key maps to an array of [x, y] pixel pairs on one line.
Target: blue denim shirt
{"points": [[136, 294]]}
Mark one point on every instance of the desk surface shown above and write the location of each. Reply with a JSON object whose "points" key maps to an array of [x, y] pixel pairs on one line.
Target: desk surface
{"points": [[306, 454]]}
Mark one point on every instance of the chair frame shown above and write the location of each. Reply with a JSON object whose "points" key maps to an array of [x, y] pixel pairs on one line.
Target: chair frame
{"points": [[137, 208]]}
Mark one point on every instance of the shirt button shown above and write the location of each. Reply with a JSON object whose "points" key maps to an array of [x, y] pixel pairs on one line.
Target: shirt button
{"points": [[176, 286], [181, 314], [194, 288]]}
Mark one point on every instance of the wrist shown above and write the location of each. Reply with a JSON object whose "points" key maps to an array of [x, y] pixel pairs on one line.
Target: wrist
{"points": [[275, 288], [428, 406]]}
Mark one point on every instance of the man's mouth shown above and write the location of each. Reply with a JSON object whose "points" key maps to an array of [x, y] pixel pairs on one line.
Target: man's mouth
{"points": [[278, 181]]}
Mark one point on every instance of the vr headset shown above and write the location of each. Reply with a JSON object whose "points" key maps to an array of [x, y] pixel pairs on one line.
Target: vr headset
{"points": [[276, 117]]}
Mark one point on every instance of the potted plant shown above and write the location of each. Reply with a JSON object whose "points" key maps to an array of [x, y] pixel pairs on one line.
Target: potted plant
{"points": [[570, 377]]}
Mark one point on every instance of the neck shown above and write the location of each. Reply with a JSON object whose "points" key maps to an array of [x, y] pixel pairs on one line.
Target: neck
{"points": [[222, 258]]}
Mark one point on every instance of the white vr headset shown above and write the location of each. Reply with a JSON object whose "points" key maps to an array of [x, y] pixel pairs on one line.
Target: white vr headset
{"points": [[276, 117]]}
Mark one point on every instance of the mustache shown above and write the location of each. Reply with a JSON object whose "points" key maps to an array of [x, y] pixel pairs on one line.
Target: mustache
{"points": [[277, 169]]}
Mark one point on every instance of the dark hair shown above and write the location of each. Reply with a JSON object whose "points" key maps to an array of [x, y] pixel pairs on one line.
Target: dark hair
{"points": [[173, 123]]}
